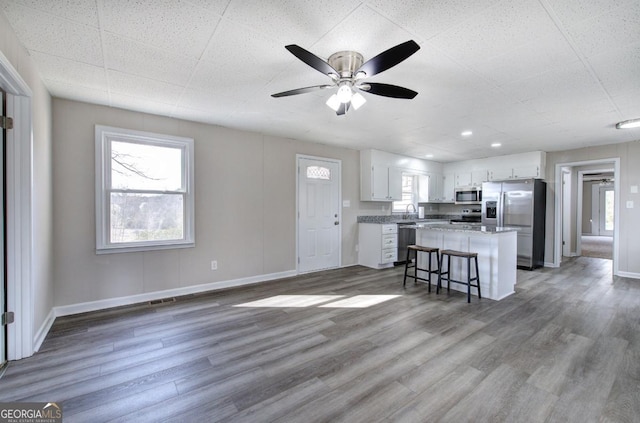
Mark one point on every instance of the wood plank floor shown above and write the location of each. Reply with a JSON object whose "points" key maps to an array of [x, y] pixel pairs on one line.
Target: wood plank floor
{"points": [[564, 348]]}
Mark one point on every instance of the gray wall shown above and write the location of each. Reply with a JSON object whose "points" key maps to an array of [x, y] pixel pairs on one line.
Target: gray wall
{"points": [[41, 182], [629, 223], [245, 207]]}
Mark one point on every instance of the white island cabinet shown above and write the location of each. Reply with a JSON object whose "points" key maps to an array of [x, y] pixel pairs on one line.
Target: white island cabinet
{"points": [[497, 255], [378, 244]]}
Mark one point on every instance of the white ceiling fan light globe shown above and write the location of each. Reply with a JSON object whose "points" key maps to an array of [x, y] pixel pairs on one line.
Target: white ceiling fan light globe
{"points": [[357, 100], [344, 93], [333, 102]]}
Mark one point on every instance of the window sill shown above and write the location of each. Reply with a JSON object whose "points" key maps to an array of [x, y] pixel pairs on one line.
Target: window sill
{"points": [[143, 248]]}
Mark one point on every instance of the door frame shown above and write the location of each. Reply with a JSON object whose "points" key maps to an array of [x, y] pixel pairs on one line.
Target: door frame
{"points": [[566, 211], [606, 168], [297, 215], [557, 241], [602, 208], [20, 340]]}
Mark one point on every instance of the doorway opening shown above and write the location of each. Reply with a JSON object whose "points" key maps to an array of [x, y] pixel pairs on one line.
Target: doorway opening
{"points": [[598, 214], [20, 342], [587, 210]]}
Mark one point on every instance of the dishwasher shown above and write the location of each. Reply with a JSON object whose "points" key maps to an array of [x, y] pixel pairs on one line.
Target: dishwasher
{"points": [[406, 237]]}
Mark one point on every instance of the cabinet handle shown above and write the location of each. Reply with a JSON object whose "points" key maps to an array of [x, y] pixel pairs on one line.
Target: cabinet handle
{"points": [[336, 223]]}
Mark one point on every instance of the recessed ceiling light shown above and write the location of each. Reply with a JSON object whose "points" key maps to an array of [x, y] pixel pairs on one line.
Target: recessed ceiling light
{"points": [[428, 156], [628, 124], [496, 144], [466, 133]]}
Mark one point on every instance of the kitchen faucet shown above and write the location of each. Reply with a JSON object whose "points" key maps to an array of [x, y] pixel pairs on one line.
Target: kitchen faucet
{"points": [[406, 215]]}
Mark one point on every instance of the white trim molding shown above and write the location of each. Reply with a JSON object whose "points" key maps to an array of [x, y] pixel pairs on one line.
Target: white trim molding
{"points": [[20, 341], [158, 295], [631, 275], [41, 334], [605, 162]]}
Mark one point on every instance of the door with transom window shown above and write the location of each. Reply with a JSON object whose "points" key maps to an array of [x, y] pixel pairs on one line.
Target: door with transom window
{"points": [[319, 217]]}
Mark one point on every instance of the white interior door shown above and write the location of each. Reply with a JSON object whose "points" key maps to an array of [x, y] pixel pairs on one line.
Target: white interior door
{"points": [[3, 285], [606, 210], [319, 233]]}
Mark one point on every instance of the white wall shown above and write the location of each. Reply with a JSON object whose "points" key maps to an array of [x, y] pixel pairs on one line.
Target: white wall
{"points": [[245, 207], [41, 183], [629, 224]]}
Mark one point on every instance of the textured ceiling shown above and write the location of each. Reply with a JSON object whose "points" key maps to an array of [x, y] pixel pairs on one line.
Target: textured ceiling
{"points": [[529, 74]]}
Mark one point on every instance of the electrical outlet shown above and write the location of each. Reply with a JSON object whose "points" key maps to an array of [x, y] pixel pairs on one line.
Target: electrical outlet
{"points": [[214, 264]]}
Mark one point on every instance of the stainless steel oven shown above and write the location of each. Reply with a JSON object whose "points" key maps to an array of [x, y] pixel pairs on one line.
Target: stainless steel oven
{"points": [[468, 195]]}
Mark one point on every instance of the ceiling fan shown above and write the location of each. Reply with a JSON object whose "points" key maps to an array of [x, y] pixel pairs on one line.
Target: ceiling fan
{"points": [[347, 70]]}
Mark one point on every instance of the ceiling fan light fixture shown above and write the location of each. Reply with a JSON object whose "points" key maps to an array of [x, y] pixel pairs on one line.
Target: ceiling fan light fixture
{"points": [[357, 100], [333, 102], [628, 124], [344, 93]]}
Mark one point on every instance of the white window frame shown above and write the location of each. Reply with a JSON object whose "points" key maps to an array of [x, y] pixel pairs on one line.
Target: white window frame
{"points": [[401, 206], [104, 135]]}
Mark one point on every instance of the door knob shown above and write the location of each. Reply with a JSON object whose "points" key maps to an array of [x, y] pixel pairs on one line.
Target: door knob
{"points": [[336, 223]]}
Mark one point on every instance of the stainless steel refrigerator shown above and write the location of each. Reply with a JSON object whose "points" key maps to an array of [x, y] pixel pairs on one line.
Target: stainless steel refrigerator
{"points": [[520, 204]]}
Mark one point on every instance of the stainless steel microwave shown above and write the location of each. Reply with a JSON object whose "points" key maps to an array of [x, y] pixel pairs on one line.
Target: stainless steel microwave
{"points": [[468, 195]]}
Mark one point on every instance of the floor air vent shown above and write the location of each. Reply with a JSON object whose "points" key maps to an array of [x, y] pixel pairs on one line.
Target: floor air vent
{"points": [[162, 301]]}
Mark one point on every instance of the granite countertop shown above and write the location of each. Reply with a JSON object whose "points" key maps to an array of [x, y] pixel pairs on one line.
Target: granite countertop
{"points": [[410, 221], [490, 230], [397, 219]]}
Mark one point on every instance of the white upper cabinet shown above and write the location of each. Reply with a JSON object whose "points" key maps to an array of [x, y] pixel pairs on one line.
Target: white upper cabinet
{"points": [[513, 166], [379, 181], [500, 174], [475, 178], [478, 177], [381, 175], [448, 188], [395, 184], [520, 172], [525, 172], [463, 179], [424, 188], [386, 184]]}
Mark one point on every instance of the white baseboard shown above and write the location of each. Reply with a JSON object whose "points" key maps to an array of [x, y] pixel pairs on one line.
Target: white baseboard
{"points": [[157, 295], [44, 330], [550, 264], [628, 275]]}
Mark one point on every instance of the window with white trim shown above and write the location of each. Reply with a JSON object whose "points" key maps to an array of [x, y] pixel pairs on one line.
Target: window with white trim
{"points": [[409, 193], [144, 191]]}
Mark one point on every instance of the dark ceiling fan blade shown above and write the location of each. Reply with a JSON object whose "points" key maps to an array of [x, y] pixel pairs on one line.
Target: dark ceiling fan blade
{"points": [[388, 58], [344, 108], [388, 90], [312, 60], [301, 90]]}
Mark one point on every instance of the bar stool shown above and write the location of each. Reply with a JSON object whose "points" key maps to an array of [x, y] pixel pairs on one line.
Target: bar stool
{"points": [[445, 275], [429, 270]]}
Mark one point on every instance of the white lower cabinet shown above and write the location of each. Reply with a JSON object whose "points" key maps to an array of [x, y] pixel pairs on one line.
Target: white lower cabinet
{"points": [[378, 244]]}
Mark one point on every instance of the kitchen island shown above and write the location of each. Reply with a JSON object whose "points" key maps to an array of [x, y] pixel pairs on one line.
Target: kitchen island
{"points": [[497, 255]]}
